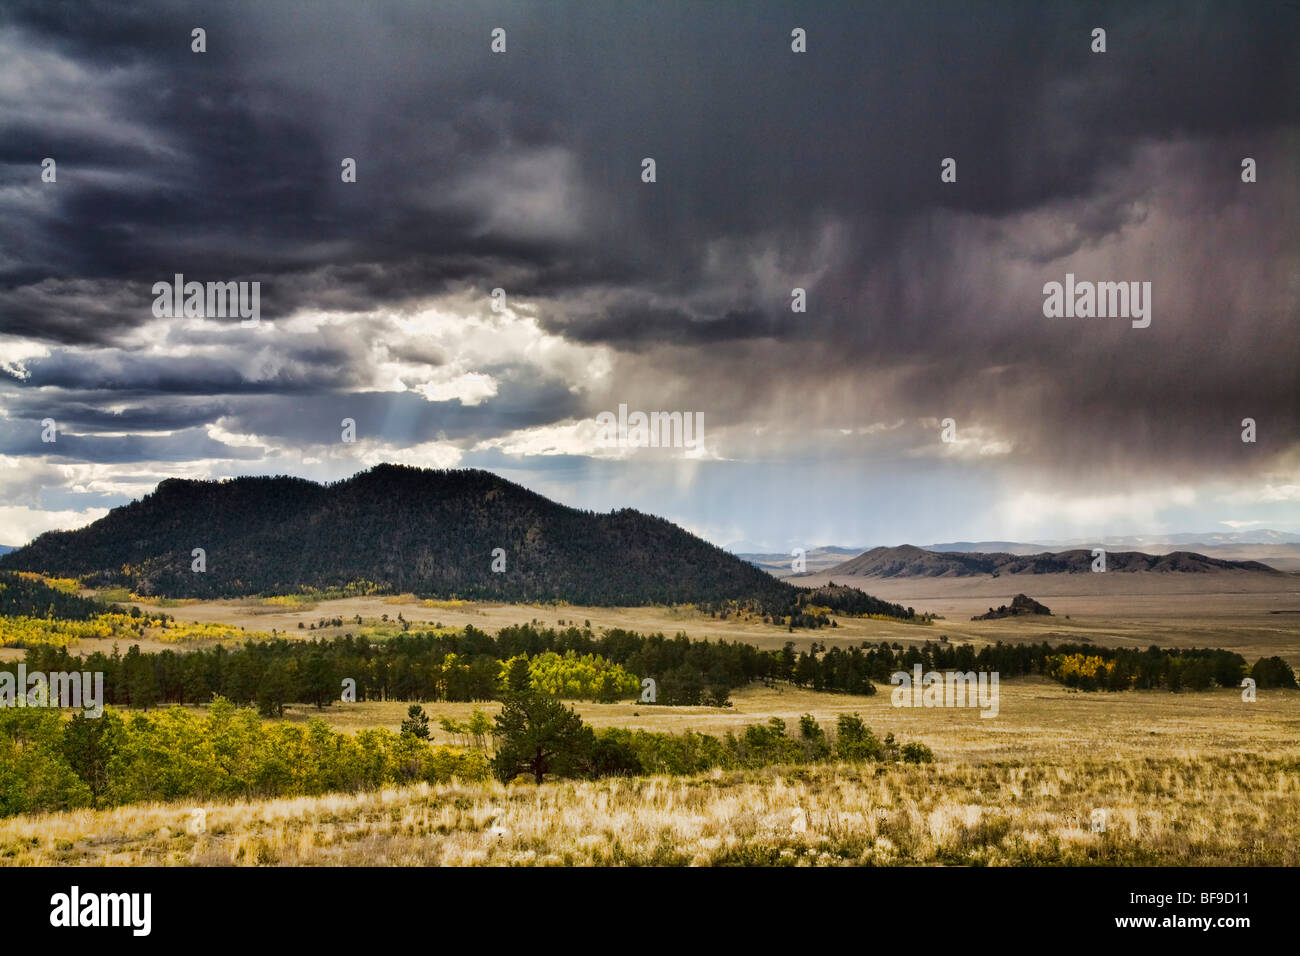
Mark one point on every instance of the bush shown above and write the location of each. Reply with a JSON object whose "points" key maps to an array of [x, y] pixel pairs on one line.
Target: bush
{"points": [[815, 744], [1273, 672], [50, 764], [611, 756], [916, 752], [855, 741], [764, 744]]}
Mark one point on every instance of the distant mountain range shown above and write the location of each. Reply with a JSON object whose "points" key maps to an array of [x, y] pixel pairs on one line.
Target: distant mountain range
{"points": [[1277, 549], [6, 548], [450, 533], [911, 561], [463, 533]]}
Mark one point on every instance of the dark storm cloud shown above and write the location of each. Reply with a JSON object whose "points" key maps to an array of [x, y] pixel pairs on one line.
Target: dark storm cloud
{"points": [[179, 446], [124, 411], [72, 311], [747, 136], [523, 170], [225, 373], [281, 416], [627, 323]]}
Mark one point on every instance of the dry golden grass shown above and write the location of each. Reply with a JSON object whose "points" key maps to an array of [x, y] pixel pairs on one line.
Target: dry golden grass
{"points": [[1037, 719], [1219, 810], [1186, 779]]}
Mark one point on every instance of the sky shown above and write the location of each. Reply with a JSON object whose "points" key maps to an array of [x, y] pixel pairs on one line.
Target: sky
{"points": [[774, 170]]}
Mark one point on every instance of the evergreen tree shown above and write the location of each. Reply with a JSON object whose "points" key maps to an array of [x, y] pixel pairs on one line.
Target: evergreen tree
{"points": [[318, 683], [535, 733], [416, 723], [273, 690], [88, 746]]}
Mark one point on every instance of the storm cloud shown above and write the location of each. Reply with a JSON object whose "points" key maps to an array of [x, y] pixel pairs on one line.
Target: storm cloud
{"points": [[775, 170]]}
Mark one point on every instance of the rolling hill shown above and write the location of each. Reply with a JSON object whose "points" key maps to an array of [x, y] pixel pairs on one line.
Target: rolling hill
{"points": [[401, 529], [910, 561], [1277, 549]]}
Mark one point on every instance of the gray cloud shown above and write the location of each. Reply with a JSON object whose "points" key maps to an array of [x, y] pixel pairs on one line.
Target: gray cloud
{"points": [[774, 170]]}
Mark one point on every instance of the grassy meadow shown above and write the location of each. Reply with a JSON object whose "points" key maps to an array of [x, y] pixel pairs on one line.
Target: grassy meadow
{"points": [[1184, 779]]}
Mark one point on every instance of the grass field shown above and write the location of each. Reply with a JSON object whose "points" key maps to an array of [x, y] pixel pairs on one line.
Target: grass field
{"points": [[1184, 779], [1038, 718], [1170, 810]]}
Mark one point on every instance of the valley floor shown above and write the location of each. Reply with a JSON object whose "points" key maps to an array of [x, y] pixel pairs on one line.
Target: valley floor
{"points": [[1181, 779], [1130, 610], [1037, 719]]}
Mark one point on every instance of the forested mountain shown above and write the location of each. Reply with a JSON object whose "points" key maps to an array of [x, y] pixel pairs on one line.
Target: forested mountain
{"points": [[403, 529]]}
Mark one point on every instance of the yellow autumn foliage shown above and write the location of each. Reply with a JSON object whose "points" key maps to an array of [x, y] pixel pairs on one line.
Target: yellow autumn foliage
{"points": [[1063, 666]]}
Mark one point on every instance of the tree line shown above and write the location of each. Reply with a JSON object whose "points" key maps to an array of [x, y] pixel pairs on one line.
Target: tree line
{"points": [[1089, 667], [1189, 670], [467, 665]]}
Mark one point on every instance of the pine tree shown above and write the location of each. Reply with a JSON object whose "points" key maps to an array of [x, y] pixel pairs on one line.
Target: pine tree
{"points": [[416, 723], [536, 733], [88, 745]]}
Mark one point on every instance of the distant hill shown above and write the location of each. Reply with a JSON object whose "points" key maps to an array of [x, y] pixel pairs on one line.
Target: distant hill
{"points": [[850, 600], [1278, 549], [6, 548], [404, 529], [1283, 556], [1021, 605], [911, 561]]}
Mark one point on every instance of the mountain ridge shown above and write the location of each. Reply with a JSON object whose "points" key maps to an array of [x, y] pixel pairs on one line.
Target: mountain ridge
{"points": [[1273, 548], [395, 529], [912, 561]]}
